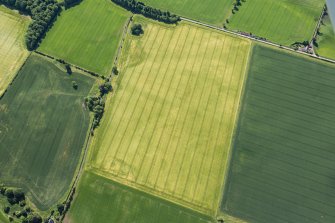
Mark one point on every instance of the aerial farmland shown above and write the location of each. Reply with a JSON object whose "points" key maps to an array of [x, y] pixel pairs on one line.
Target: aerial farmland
{"points": [[123, 111]]}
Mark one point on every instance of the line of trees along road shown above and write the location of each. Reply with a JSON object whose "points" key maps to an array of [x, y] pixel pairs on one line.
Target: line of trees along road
{"points": [[43, 14], [150, 12]]}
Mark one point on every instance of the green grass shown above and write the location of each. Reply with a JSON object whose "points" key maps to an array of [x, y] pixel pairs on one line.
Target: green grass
{"points": [[3, 218], [168, 128], [284, 152], [211, 11], [326, 40], [12, 47], [284, 22], [43, 127], [87, 35], [102, 200]]}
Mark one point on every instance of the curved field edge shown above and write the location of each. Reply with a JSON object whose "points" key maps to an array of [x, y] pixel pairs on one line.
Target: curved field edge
{"points": [[128, 64], [87, 35], [99, 199], [258, 209], [13, 52], [47, 156]]}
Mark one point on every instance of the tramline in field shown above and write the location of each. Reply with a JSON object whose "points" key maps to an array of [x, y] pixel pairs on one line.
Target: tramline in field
{"points": [[283, 163], [12, 48], [168, 128]]}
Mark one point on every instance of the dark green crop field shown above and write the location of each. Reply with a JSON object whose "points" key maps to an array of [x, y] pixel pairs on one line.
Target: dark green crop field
{"points": [[101, 200], [43, 127], [283, 167]]}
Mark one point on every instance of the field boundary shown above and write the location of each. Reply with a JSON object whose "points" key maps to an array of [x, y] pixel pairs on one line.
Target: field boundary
{"points": [[315, 34], [145, 189], [121, 43], [225, 183], [73, 65], [2, 94], [257, 40], [86, 147]]}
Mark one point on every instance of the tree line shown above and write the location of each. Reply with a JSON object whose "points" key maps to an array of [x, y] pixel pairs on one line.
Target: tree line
{"points": [[150, 12], [43, 14]]}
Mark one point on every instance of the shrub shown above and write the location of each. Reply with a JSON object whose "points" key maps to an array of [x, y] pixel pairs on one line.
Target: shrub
{"points": [[137, 30], [60, 208], [115, 70], [74, 85], [6, 209], [68, 69]]}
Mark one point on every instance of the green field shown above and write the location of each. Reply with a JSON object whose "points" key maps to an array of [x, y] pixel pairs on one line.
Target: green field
{"points": [[284, 152], [87, 35], [168, 128], [102, 200], [43, 127], [326, 39], [12, 49], [284, 22], [211, 11]]}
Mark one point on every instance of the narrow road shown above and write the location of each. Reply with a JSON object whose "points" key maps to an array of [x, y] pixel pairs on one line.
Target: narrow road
{"points": [[255, 39]]}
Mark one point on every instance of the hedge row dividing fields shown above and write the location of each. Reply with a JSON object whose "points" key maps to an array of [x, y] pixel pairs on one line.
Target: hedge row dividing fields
{"points": [[283, 164], [168, 128], [211, 11], [101, 200], [87, 35]]}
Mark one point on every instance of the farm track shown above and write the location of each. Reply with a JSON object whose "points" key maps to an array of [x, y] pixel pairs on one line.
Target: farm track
{"points": [[258, 40]]}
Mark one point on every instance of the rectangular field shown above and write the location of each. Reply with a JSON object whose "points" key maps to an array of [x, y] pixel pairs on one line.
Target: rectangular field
{"points": [[326, 40], [12, 47], [284, 151], [284, 22], [43, 127], [102, 200], [87, 35], [211, 11], [168, 128]]}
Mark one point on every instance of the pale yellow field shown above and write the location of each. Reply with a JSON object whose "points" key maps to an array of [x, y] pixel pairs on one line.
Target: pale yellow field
{"points": [[12, 47], [168, 128]]}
